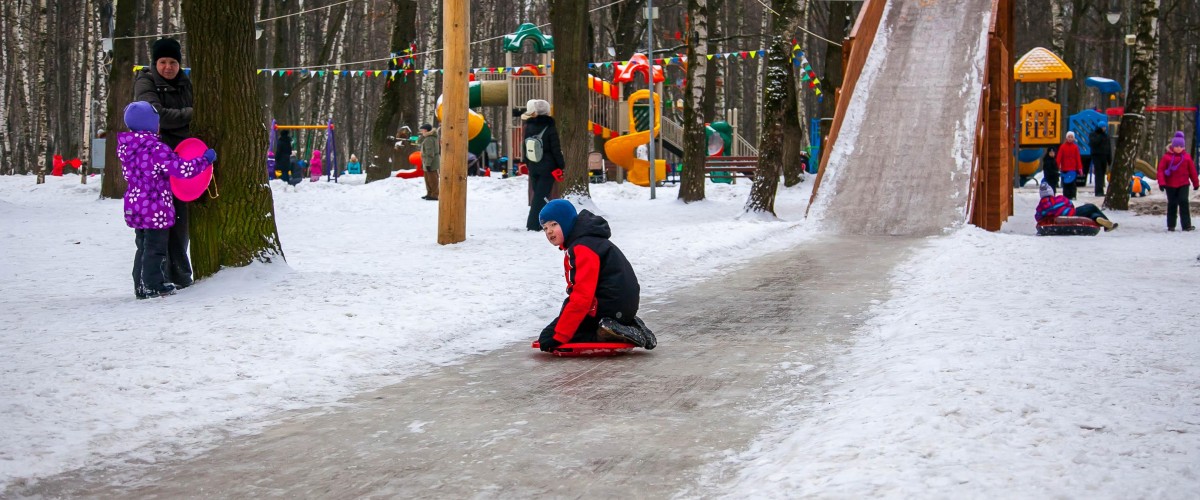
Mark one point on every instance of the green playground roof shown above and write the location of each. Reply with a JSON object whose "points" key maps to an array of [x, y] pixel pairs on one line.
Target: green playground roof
{"points": [[542, 43]]}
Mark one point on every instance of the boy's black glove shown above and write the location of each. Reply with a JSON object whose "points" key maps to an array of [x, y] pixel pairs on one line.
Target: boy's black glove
{"points": [[546, 340]]}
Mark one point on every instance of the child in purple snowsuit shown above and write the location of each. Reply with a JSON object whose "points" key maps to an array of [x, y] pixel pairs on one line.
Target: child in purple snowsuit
{"points": [[147, 164]]}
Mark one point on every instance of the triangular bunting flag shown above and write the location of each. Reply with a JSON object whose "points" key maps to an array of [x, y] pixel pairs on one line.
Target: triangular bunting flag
{"points": [[710, 56], [288, 72], [753, 53]]}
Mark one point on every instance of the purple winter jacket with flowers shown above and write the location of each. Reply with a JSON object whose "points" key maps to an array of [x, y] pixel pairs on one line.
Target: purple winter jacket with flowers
{"points": [[147, 163]]}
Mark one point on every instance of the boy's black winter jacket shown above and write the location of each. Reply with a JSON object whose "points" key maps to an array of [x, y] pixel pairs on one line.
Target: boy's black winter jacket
{"points": [[600, 281]]}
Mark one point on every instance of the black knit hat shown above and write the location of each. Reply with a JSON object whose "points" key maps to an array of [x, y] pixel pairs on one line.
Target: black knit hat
{"points": [[166, 47]]}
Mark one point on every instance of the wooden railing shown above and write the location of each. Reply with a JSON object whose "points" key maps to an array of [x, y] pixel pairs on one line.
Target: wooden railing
{"points": [[990, 201], [855, 49]]}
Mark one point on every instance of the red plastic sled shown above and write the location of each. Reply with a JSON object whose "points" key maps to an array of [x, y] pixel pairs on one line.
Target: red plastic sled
{"points": [[588, 349], [1067, 226]]}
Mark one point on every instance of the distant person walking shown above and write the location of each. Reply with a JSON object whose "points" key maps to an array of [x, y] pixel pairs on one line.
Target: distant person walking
{"points": [[1070, 165], [1175, 170], [431, 160], [283, 156], [543, 157], [169, 90], [1050, 166], [1101, 156]]}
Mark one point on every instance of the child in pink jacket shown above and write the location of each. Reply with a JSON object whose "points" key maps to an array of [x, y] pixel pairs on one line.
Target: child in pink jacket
{"points": [[1175, 171], [314, 166]]}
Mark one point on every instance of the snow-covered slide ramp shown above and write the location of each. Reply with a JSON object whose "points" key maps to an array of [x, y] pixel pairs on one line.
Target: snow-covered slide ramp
{"points": [[902, 162]]}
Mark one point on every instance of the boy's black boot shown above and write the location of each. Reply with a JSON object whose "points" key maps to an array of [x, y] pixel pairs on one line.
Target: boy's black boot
{"points": [[610, 330], [651, 341]]}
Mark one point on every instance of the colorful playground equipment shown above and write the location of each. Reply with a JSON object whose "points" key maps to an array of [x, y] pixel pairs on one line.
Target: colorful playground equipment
{"points": [[1040, 121], [622, 149], [622, 121], [329, 157]]}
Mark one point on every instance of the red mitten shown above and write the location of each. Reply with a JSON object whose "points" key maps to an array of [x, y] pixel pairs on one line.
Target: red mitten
{"points": [[557, 174]]}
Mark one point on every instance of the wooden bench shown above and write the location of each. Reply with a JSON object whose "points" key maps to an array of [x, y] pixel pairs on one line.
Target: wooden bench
{"points": [[724, 167]]}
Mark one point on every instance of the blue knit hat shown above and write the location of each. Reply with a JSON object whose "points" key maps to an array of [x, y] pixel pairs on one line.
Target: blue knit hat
{"points": [[140, 116], [560, 211]]}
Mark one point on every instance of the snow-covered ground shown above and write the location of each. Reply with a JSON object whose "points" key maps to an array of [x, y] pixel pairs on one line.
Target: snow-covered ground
{"points": [[1005, 364]]}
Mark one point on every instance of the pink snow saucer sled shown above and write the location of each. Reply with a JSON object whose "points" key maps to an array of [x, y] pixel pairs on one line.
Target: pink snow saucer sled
{"points": [[582, 349], [190, 189]]}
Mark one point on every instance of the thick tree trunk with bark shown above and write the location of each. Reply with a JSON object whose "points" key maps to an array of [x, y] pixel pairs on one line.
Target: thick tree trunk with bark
{"points": [[695, 148], [793, 145], [237, 227], [1134, 120], [779, 106], [570, 20], [831, 77], [399, 100], [120, 92]]}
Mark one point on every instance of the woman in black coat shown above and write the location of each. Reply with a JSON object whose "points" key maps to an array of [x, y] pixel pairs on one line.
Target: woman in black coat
{"points": [[542, 173], [169, 89]]}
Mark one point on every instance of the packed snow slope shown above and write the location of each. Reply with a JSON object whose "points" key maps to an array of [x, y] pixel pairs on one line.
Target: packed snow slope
{"points": [[901, 164]]}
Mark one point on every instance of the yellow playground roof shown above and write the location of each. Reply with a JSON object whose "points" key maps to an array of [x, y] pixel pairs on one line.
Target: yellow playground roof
{"points": [[1041, 65]]}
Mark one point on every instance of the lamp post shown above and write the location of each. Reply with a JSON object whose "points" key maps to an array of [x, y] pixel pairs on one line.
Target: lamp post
{"points": [[1113, 16], [651, 14]]}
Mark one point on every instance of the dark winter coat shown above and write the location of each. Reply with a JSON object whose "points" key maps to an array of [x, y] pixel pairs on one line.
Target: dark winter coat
{"points": [[147, 163], [171, 98], [283, 152], [600, 281], [552, 156], [1101, 146]]}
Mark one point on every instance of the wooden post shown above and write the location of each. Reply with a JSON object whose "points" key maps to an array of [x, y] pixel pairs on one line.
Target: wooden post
{"points": [[452, 196]]}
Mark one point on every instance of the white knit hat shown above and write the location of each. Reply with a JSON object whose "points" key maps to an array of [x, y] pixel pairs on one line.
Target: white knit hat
{"points": [[536, 107], [1045, 190]]}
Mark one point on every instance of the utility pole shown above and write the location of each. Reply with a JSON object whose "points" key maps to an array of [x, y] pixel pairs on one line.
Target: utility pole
{"points": [[650, 81], [452, 196]]}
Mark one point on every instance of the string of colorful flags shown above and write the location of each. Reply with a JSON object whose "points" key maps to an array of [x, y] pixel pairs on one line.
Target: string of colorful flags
{"points": [[405, 62], [807, 75]]}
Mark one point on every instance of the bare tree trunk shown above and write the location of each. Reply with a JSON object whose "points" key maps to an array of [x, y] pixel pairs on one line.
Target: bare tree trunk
{"points": [[6, 61], [691, 182], [380, 162], [41, 116], [238, 227], [431, 37], [120, 93], [90, 49], [570, 18], [835, 29], [1058, 38], [1140, 92], [779, 106]]}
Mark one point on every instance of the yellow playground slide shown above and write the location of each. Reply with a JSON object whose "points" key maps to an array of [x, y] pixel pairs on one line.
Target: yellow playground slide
{"points": [[622, 150]]}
